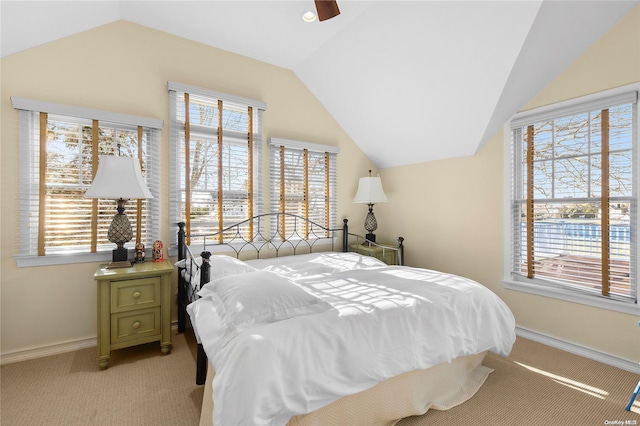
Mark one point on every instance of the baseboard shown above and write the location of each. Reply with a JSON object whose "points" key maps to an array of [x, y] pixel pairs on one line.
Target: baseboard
{"points": [[593, 354], [55, 349], [49, 350]]}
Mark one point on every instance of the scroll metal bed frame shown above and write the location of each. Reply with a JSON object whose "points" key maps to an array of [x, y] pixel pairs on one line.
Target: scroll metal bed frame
{"points": [[252, 237]]}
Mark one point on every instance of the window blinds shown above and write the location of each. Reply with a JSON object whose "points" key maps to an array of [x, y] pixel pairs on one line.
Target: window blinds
{"points": [[303, 183], [574, 202], [215, 166], [58, 153]]}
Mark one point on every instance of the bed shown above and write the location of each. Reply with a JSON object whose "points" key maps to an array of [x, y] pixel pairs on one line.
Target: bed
{"points": [[298, 330]]}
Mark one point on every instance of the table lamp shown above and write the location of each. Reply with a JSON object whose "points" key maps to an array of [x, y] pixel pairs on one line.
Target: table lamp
{"points": [[120, 179], [370, 192]]}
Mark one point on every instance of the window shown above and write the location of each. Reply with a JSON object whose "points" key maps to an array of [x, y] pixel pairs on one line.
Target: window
{"points": [[59, 149], [573, 202], [215, 159], [303, 183]]}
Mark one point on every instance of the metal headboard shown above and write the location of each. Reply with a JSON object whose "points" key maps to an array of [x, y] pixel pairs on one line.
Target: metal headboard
{"points": [[270, 232]]}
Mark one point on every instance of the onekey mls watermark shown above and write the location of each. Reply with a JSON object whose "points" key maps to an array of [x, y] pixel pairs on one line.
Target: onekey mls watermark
{"points": [[621, 422]]}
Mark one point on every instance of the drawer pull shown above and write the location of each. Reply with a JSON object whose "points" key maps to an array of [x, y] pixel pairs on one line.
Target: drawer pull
{"points": [[136, 295], [136, 325]]}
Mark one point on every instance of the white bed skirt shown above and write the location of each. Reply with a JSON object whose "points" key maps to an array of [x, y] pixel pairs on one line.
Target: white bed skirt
{"points": [[440, 387]]}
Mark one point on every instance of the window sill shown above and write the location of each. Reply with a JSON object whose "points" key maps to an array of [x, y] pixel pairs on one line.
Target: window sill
{"points": [[29, 261], [574, 297]]}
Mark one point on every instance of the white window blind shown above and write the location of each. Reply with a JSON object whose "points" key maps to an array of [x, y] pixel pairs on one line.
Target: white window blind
{"points": [[574, 196], [58, 153], [302, 179], [215, 159]]}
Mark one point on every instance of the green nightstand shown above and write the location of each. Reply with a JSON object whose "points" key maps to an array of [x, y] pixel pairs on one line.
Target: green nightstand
{"points": [[386, 252], [134, 307]]}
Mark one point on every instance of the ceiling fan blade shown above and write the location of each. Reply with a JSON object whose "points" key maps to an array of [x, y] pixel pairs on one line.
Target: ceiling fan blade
{"points": [[327, 9]]}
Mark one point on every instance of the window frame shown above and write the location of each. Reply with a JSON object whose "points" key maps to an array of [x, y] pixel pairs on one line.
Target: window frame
{"points": [[28, 158], [331, 153], [542, 287], [176, 165]]}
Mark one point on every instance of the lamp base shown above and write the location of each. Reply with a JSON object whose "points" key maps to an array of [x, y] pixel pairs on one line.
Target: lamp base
{"points": [[370, 224], [120, 254], [119, 259]]}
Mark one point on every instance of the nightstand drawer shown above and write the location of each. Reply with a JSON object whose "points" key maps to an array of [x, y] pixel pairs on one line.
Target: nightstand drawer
{"points": [[127, 326], [135, 294]]}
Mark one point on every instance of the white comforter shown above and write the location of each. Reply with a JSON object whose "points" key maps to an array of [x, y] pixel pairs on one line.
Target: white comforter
{"points": [[386, 320]]}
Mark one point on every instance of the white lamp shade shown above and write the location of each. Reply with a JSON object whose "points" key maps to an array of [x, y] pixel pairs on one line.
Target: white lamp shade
{"points": [[118, 177], [370, 191]]}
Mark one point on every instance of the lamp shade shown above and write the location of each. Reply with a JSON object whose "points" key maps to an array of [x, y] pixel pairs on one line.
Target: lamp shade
{"points": [[118, 177], [370, 191]]}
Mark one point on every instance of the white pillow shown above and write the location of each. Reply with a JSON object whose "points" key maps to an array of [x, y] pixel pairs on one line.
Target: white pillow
{"points": [[261, 297], [223, 265], [328, 262]]}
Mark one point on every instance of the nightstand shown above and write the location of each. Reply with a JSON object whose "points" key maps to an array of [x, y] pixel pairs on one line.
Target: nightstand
{"points": [[386, 252], [134, 307]]}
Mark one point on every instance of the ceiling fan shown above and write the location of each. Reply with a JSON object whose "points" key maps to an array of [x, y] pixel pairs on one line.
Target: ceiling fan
{"points": [[327, 9]]}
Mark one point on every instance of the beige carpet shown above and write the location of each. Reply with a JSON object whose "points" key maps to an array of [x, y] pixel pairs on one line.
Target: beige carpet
{"points": [[539, 385], [535, 385], [140, 387]]}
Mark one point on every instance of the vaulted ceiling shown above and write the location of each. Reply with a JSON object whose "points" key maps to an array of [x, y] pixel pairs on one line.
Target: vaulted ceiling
{"points": [[409, 81]]}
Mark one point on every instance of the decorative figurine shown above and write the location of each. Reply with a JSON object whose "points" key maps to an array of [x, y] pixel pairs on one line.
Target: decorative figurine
{"points": [[139, 253], [157, 251]]}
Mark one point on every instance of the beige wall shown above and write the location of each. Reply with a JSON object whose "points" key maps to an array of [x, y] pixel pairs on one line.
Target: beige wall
{"points": [[451, 211], [123, 67]]}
